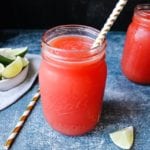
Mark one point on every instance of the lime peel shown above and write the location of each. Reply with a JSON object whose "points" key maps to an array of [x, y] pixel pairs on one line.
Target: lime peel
{"points": [[123, 138], [6, 56], [20, 51]]}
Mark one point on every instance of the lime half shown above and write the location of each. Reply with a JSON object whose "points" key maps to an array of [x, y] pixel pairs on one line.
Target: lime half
{"points": [[123, 138], [13, 69], [20, 51], [6, 56]]}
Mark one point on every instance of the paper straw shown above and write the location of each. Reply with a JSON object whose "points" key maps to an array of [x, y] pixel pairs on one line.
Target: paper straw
{"points": [[21, 121], [110, 21]]}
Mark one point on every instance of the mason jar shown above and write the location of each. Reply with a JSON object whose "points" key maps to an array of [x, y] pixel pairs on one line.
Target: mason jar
{"points": [[72, 78], [136, 54]]}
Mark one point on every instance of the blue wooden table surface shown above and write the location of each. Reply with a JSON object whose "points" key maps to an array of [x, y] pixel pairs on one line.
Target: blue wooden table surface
{"points": [[125, 104]]}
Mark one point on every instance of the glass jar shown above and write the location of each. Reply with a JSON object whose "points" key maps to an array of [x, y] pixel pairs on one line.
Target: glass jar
{"points": [[136, 55], [72, 79]]}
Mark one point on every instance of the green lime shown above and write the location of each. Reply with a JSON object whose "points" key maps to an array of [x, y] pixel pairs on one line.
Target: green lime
{"points": [[1, 69], [6, 56], [25, 62], [13, 69], [123, 138], [20, 51]]}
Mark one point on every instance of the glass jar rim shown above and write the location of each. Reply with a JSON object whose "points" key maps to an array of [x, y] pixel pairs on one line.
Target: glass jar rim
{"points": [[139, 10], [100, 47]]}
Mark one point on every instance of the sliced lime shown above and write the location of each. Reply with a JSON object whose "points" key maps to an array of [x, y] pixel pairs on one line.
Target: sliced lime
{"points": [[6, 56], [1, 69], [20, 51], [123, 138], [25, 62], [13, 69]]}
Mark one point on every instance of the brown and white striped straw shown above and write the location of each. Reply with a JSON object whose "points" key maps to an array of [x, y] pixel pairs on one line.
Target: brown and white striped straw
{"points": [[21, 121], [110, 21]]}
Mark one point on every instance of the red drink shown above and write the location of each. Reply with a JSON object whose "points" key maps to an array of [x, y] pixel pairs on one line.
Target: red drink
{"points": [[72, 79], [136, 54]]}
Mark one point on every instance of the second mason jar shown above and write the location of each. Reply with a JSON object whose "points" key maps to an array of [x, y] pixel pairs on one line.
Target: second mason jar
{"points": [[136, 54], [72, 78]]}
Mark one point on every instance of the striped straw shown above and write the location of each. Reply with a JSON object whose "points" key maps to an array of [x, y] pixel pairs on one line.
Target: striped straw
{"points": [[21, 121], [110, 21]]}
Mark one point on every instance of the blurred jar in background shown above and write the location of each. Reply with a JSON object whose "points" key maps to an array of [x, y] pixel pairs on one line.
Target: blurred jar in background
{"points": [[136, 54]]}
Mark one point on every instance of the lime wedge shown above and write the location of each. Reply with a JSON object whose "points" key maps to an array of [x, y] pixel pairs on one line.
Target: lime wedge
{"points": [[13, 69], [6, 56], [1, 69], [123, 138], [25, 62], [20, 51]]}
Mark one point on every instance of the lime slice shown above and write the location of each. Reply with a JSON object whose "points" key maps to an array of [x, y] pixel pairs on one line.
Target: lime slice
{"points": [[25, 62], [6, 56], [123, 138], [1, 69], [13, 69], [20, 51]]}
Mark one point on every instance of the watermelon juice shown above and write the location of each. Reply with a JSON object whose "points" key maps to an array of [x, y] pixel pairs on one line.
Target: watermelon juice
{"points": [[72, 78], [136, 54]]}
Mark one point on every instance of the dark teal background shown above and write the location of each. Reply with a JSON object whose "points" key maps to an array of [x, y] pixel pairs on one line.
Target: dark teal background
{"points": [[48, 13]]}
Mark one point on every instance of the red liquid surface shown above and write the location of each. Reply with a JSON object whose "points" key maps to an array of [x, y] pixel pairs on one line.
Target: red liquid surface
{"points": [[72, 43], [72, 95], [136, 54]]}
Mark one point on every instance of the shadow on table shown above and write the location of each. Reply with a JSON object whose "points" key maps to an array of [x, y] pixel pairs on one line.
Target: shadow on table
{"points": [[115, 112]]}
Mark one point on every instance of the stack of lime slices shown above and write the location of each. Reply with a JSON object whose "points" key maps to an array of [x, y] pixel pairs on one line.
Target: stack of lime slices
{"points": [[12, 62]]}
